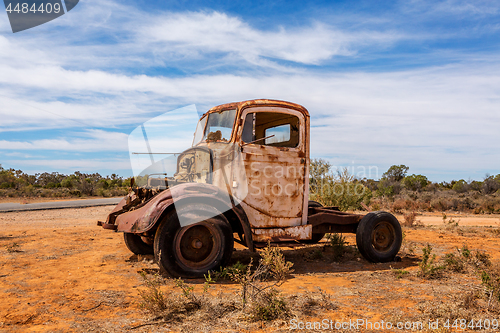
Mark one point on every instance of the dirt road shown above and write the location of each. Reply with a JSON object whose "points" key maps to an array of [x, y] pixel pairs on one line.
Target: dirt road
{"points": [[16, 207], [59, 272]]}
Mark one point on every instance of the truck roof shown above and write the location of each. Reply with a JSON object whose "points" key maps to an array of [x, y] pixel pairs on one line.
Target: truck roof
{"points": [[259, 102]]}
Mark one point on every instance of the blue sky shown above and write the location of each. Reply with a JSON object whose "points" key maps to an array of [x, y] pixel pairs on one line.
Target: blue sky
{"points": [[403, 82]]}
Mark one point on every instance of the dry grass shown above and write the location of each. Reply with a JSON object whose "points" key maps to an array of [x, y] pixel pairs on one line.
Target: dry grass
{"points": [[183, 304], [259, 300], [473, 291], [13, 248], [310, 303], [410, 220]]}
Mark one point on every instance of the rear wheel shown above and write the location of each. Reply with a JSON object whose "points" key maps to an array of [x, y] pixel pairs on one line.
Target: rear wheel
{"points": [[379, 237], [138, 244], [196, 248], [316, 237]]}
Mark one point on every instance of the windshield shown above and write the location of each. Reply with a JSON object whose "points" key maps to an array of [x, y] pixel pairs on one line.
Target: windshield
{"points": [[216, 127], [161, 158]]}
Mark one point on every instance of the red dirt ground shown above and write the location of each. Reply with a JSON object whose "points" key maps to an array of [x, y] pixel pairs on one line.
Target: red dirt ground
{"points": [[59, 272]]}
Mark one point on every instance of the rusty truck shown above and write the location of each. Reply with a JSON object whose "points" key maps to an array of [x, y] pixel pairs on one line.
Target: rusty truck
{"points": [[244, 179]]}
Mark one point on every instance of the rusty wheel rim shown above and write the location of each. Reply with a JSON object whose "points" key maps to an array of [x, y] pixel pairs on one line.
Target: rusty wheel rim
{"points": [[383, 236], [197, 245]]}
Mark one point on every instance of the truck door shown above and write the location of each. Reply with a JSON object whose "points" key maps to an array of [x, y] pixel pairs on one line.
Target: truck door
{"points": [[274, 152]]}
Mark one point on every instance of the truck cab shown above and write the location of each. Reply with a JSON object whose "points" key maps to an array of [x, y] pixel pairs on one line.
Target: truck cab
{"points": [[245, 179]]}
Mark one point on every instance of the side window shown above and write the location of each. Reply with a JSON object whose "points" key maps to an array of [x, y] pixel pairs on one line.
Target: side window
{"points": [[248, 134], [277, 134], [271, 129]]}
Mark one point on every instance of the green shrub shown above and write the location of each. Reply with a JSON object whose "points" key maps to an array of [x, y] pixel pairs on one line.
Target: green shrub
{"points": [[460, 186], [7, 185], [275, 264], [338, 245], [269, 306], [152, 298], [396, 173], [465, 260], [225, 273], [28, 190], [18, 184], [388, 188], [315, 254], [454, 263], [465, 252], [428, 269], [400, 273], [490, 279], [415, 182], [67, 182], [272, 267], [52, 185], [103, 183], [341, 189], [481, 259]]}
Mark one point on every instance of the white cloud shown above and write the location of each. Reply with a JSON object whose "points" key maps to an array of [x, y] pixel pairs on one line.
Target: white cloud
{"points": [[445, 116], [72, 165], [197, 33], [442, 116], [128, 36], [94, 141], [423, 107], [31, 107], [454, 7]]}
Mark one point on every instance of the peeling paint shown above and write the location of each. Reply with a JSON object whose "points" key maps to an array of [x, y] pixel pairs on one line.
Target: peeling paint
{"points": [[273, 235]]}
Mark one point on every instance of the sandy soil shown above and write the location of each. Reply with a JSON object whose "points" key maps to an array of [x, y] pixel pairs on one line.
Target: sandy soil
{"points": [[60, 272], [436, 219]]}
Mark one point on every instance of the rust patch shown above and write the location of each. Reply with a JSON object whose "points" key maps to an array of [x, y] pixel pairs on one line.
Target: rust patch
{"points": [[301, 232], [260, 102]]}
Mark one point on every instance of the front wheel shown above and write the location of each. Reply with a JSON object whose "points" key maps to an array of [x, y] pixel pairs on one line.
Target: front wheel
{"points": [[192, 250], [379, 237]]}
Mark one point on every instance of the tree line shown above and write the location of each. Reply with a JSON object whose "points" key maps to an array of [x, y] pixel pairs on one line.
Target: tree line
{"points": [[397, 191], [89, 184]]}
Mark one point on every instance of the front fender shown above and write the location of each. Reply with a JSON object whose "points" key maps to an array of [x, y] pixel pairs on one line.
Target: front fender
{"points": [[146, 217]]}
